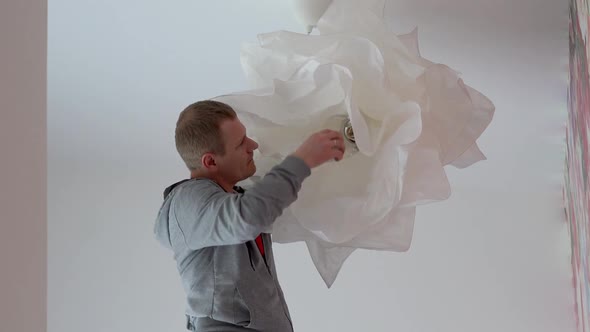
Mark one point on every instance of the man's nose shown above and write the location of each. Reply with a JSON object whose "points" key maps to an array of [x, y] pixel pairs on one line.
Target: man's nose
{"points": [[254, 145]]}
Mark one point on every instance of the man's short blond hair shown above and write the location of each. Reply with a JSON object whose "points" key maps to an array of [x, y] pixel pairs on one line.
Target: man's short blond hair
{"points": [[198, 131]]}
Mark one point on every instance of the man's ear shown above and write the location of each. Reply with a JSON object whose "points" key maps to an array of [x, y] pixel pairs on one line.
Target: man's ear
{"points": [[208, 161]]}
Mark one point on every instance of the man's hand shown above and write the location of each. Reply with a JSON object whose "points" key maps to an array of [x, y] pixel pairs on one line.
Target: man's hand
{"points": [[320, 147]]}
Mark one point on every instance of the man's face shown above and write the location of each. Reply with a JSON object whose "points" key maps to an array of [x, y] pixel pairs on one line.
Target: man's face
{"points": [[237, 164]]}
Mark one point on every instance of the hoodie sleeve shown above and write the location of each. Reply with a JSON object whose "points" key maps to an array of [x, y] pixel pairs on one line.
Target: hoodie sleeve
{"points": [[208, 216]]}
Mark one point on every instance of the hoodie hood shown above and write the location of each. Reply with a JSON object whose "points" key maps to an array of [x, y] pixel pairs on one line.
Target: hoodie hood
{"points": [[161, 227]]}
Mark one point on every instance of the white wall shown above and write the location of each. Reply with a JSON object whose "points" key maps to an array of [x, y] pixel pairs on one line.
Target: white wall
{"points": [[494, 257], [23, 160]]}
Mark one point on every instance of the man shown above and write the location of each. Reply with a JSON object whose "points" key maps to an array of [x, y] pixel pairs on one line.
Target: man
{"points": [[219, 232]]}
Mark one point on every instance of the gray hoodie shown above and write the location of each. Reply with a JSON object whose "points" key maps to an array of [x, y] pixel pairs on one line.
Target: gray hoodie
{"points": [[229, 285]]}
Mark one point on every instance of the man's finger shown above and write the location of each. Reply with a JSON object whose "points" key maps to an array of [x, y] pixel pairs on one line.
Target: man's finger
{"points": [[326, 131], [340, 142], [331, 134], [336, 143], [337, 154], [338, 146]]}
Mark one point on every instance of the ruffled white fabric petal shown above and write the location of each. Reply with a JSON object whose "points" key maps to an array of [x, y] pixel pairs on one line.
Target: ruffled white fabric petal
{"points": [[410, 116]]}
